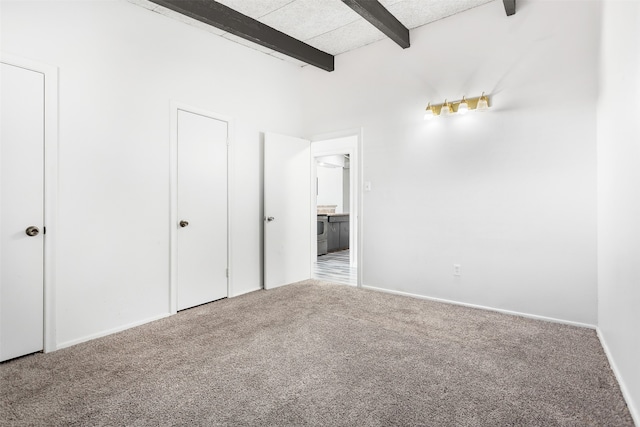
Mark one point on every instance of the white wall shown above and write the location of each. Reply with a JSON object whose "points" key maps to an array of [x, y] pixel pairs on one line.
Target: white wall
{"points": [[330, 187], [619, 195], [119, 67], [509, 194]]}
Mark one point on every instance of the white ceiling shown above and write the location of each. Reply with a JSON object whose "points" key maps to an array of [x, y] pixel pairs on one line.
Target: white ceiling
{"points": [[328, 25]]}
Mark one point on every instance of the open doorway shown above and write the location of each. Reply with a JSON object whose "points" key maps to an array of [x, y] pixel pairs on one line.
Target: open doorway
{"points": [[335, 170]]}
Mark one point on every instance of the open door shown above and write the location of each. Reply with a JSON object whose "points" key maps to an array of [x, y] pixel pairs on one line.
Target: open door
{"points": [[287, 202], [22, 133]]}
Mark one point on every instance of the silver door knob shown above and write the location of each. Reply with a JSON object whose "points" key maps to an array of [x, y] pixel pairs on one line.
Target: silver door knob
{"points": [[270, 218], [184, 223], [32, 231]]}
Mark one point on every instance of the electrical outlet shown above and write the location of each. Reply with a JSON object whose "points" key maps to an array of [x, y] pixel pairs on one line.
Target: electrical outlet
{"points": [[456, 269]]}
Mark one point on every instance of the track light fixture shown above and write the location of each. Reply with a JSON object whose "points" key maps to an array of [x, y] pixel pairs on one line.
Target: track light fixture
{"points": [[479, 103]]}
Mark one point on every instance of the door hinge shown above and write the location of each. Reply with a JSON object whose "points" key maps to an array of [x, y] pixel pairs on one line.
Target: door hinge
{"points": [[44, 230], [227, 272]]}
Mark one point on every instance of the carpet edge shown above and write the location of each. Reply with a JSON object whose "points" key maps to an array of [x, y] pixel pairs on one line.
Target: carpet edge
{"points": [[107, 332], [635, 415], [484, 307]]}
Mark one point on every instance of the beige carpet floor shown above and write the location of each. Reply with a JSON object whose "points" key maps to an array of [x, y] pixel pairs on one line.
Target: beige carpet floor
{"points": [[314, 354]]}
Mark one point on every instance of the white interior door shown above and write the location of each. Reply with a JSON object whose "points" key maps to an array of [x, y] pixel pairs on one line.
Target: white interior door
{"points": [[21, 211], [287, 205], [202, 209]]}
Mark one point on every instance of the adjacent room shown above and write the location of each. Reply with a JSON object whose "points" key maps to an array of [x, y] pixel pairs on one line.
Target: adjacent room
{"points": [[336, 200], [320, 212]]}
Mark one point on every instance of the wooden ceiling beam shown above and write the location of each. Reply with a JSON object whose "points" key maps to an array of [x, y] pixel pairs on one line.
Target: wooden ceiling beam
{"points": [[510, 7], [223, 17], [382, 19]]}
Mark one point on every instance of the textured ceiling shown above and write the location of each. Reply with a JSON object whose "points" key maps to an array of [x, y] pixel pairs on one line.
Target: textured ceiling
{"points": [[328, 25]]}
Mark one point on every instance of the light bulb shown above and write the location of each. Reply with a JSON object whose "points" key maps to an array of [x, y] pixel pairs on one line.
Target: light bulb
{"points": [[483, 103], [446, 109], [428, 113], [463, 107]]}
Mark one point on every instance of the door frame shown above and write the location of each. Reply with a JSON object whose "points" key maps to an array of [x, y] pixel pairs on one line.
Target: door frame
{"points": [[50, 184], [173, 195], [356, 196]]}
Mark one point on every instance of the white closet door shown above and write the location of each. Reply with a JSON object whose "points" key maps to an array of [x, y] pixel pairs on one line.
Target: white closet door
{"points": [[21, 211], [287, 210], [202, 209]]}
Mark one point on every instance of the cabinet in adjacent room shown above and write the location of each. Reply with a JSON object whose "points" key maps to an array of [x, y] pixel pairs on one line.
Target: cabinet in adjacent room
{"points": [[338, 232]]}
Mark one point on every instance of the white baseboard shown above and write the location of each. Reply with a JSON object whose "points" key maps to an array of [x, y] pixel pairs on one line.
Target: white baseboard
{"points": [[635, 412], [124, 327], [110, 331], [259, 288], [483, 307]]}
